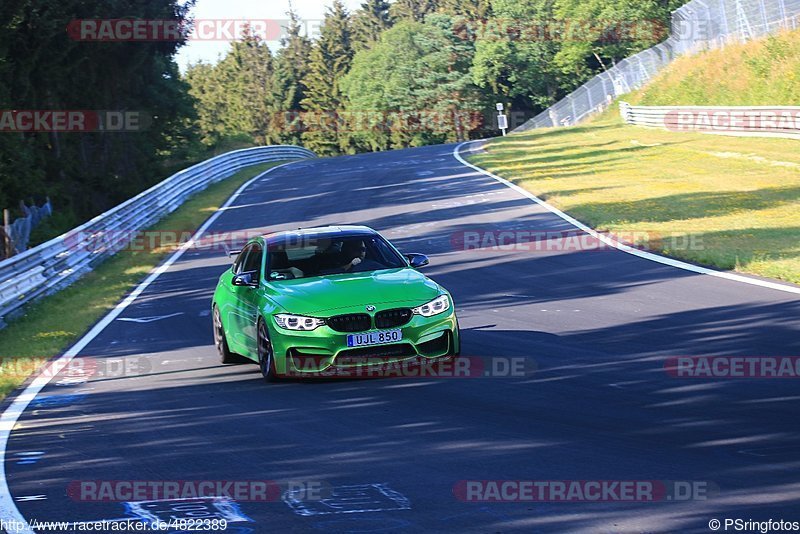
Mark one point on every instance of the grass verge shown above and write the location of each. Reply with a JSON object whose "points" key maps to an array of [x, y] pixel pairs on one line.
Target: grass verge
{"points": [[52, 324], [762, 72], [727, 202]]}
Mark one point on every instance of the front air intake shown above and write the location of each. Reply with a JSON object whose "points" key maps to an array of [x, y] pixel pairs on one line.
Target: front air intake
{"points": [[351, 322], [393, 318]]}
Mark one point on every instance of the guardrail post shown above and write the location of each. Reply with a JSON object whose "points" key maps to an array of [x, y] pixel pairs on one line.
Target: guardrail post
{"points": [[763, 7], [572, 104], [784, 18], [8, 252], [725, 28]]}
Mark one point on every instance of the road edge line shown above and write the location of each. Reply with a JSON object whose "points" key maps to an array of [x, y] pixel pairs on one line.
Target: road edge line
{"points": [[8, 508], [622, 246]]}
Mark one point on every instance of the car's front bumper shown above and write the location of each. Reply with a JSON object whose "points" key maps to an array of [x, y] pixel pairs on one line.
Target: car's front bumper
{"points": [[324, 351]]}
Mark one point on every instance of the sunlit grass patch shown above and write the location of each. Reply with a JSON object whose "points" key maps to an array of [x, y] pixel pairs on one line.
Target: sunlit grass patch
{"points": [[739, 198]]}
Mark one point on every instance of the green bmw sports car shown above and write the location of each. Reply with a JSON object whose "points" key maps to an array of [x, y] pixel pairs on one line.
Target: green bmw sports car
{"points": [[318, 301]]}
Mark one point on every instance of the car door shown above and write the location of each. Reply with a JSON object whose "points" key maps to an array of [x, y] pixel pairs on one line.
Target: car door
{"points": [[247, 299], [233, 311]]}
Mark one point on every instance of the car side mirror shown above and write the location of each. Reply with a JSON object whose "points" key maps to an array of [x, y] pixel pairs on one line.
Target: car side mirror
{"points": [[245, 280], [417, 260]]}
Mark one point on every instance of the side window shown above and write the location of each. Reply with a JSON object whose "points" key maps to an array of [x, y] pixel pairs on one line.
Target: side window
{"points": [[253, 260], [240, 259]]}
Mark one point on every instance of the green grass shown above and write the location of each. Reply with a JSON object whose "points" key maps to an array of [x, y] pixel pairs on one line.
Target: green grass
{"points": [[52, 324], [728, 202], [765, 72]]}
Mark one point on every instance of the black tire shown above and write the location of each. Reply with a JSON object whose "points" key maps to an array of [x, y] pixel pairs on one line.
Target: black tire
{"points": [[266, 358], [458, 331], [221, 342]]}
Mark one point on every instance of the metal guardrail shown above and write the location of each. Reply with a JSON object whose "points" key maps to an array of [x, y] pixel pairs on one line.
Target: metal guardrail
{"points": [[698, 25], [53, 265], [18, 233], [748, 121]]}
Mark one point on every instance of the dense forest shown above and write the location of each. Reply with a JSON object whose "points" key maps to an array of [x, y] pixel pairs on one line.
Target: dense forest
{"points": [[42, 68], [415, 72], [388, 75]]}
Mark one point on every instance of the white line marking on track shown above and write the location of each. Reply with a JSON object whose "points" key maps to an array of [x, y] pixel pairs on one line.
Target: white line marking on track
{"points": [[154, 318], [27, 458], [27, 498], [621, 246], [8, 509], [352, 499]]}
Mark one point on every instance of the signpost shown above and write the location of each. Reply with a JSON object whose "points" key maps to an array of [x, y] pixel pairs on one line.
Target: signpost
{"points": [[502, 119]]}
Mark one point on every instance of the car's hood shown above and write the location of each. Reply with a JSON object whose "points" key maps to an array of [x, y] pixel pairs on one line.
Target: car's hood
{"points": [[326, 293]]}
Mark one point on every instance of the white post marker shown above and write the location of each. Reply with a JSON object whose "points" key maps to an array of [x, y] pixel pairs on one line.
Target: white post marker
{"points": [[502, 123], [502, 119]]}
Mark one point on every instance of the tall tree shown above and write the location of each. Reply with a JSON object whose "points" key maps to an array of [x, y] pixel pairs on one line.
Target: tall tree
{"points": [[253, 64], [369, 22], [598, 33], [415, 10], [474, 11], [331, 57], [46, 68], [418, 76], [236, 96], [514, 58], [291, 68]]}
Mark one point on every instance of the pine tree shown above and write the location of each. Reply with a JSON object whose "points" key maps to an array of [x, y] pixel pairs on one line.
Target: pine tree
{"points": [[331, 57], [415, 10], [291, 68], [473, 10], [253, 64], [369, 22]]}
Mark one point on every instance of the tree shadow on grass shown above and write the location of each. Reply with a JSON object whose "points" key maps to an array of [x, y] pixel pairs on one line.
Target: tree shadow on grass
{"points": [[685, 206], [558, 160]]}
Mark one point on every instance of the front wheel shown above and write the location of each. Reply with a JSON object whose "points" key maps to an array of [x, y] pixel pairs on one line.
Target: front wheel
{"points": [[458, 335], [221, 342], [266, 359]]}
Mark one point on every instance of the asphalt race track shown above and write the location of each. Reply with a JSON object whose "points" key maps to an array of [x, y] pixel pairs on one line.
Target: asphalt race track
{"points": [[597, 325]]}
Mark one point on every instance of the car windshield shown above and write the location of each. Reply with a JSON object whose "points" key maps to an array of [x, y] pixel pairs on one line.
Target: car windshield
{"points": [[304, 256]]}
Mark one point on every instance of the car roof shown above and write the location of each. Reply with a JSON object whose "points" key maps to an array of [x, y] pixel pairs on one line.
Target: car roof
{"points": [[319, 231]]}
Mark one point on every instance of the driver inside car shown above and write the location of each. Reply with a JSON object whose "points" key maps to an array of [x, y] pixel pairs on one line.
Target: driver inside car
{"points": [[353, 251], [358, 255]]}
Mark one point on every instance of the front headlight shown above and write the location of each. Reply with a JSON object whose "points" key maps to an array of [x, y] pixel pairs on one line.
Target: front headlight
{"points": [[438, 305], [297, 322]]}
